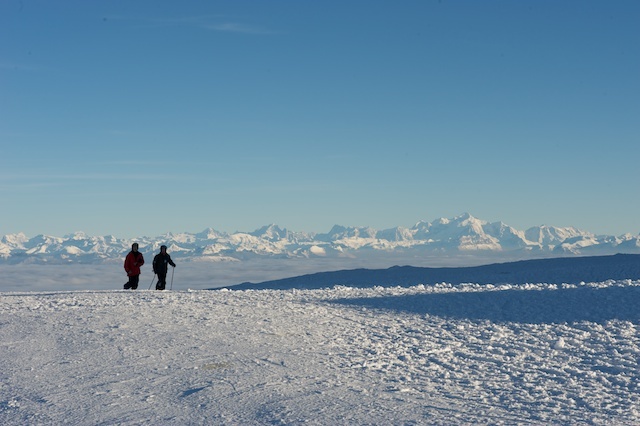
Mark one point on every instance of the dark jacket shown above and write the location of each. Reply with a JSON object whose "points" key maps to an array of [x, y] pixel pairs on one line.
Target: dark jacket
{"points": [[160, 262], [133, 262]]}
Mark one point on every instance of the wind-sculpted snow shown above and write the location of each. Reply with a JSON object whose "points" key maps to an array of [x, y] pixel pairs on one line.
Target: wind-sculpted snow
{"points": [[444, 354]]}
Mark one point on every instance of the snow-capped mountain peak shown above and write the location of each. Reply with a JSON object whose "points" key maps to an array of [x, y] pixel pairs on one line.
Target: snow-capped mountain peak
{"points": [[461, 234], [270, 232]]}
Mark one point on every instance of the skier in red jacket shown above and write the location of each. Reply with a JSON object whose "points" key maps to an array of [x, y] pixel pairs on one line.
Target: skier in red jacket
{"points": [[132, 264]]}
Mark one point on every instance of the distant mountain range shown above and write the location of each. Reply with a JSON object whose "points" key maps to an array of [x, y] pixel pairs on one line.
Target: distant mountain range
{"points": [[463, 234]]}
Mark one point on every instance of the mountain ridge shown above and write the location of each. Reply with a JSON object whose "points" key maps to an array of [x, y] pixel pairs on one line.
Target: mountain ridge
{"points": [[533, 271], [464, 234]]}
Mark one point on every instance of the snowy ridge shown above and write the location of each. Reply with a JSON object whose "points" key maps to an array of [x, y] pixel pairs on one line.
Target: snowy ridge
{"points": [[464, 234], [446, 354]]}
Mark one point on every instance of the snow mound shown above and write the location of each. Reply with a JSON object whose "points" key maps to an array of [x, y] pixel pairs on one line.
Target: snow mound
{"points": [[441, 354]]}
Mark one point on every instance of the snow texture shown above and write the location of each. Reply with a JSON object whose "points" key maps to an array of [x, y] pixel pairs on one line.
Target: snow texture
{"points": [[443, 354]]}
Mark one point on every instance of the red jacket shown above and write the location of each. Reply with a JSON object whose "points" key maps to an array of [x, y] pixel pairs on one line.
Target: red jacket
{"points": [[133, 262]]}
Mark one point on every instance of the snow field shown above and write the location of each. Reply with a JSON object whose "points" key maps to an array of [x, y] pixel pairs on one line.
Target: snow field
{"points": [[439, 354]]}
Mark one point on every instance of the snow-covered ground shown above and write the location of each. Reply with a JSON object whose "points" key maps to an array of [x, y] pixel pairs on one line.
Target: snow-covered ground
{"points": [[443, 354]]}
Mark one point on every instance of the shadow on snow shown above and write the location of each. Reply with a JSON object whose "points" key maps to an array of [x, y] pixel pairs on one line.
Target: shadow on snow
{"points": [[514, 305]]}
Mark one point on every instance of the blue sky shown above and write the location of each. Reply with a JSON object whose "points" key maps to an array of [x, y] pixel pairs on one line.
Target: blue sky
{"points": [[135, 118]]}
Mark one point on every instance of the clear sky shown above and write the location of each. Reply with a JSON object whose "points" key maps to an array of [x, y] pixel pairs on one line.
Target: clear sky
{"points": [[133, 118]]}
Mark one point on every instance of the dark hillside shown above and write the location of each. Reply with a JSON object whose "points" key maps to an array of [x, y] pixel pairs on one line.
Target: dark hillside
{"points": [[569, 270]]}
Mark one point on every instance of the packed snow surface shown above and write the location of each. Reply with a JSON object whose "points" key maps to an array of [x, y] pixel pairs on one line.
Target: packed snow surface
{"points": [[442, 354]]}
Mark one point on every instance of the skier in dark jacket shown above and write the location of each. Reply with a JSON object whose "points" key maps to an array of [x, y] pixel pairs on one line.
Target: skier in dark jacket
{"points": [[132, 264], [160, 267]]}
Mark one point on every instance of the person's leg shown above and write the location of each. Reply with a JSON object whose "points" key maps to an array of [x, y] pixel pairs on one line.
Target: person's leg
{"points": [[129, 284], [134, 282], [162, 281]]}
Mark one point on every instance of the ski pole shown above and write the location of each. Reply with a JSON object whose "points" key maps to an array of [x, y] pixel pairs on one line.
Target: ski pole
{"points": [[172, 272], [154, 277]]}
